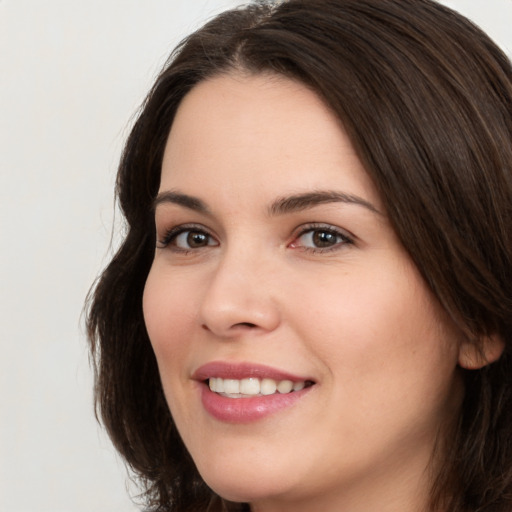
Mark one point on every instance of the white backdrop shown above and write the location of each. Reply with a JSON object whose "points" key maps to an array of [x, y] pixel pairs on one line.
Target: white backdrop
{"points": [[72, 73]]}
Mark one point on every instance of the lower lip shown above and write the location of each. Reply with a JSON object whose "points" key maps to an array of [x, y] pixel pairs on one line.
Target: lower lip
{"points": [[247, 410]]}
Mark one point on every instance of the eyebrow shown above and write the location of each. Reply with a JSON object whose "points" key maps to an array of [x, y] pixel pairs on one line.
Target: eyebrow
{"points": [[281, 206], [190, 202], [300, 202]]}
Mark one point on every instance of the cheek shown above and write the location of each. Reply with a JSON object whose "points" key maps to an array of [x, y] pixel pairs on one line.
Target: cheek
{"points": [[167, 310], [391, 360], [168, 318], [170, 315], [381, 328]]}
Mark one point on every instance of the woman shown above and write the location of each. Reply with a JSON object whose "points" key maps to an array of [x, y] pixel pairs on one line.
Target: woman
{"points": [[311, 309]]}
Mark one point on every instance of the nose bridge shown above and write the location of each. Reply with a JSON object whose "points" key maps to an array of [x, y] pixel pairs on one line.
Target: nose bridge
{"points": [[240, 292]]}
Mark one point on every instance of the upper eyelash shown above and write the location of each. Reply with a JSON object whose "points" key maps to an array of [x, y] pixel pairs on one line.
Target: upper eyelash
{"points": [[347, 239], [172, 233]]}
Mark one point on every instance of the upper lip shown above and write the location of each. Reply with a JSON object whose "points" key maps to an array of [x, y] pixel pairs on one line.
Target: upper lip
{"points": [[230, 370]]}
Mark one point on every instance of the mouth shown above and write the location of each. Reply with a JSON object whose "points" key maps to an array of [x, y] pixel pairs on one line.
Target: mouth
{"points": [[252, 386], [246, 392]]}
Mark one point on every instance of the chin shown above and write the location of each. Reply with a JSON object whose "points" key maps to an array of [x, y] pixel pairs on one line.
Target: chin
{"points": [[245, 486]]}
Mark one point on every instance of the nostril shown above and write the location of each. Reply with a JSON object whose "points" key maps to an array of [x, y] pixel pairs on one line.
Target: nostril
{"points": [[232, 330], [240, 325], [246, 325]]}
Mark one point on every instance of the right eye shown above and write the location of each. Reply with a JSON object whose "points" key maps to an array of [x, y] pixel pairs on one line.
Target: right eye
{"points": [[186, 239]]}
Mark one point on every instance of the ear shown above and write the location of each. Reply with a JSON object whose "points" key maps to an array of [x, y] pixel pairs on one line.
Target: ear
{"points": [[476, 355]]}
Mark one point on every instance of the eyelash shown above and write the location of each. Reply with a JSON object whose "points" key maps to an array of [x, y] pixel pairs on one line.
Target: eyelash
{"points": [[172, 234], [345, 239]]}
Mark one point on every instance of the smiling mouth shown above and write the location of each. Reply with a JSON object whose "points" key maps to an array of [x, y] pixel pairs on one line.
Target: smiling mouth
{"points": [[252, 386]]}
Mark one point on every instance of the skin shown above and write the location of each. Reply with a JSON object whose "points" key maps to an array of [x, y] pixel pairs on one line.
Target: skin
{"points": [[355, 316]]}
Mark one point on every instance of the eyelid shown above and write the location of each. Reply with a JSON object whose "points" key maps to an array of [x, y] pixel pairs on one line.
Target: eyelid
{"points": [[347, 237], [171, 233]]}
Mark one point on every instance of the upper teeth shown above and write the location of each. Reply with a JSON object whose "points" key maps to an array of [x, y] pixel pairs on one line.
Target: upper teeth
{"points": [[252, 386]]}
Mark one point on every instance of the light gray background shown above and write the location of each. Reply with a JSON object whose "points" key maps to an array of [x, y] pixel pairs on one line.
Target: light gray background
{"points": [[72, 73]]}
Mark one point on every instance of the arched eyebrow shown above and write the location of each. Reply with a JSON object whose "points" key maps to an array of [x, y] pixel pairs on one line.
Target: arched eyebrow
{"points": [[190, 202], [281, 206], [300, 202]]}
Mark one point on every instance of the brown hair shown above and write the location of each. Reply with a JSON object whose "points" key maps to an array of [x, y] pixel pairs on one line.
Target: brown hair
{"points": [[426, 99]]}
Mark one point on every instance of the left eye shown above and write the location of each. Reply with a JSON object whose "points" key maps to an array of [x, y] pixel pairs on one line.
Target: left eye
{"points": [[320, 238]]}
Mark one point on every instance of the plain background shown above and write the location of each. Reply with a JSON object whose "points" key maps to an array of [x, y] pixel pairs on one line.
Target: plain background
{"points": [[72, 73]]}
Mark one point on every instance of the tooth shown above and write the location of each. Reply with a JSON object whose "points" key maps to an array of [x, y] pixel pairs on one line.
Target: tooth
{"points": [[250, 386], [253, 386], [285, 386], [231, 386], [268, 386], [298, 386], [219, 385]]}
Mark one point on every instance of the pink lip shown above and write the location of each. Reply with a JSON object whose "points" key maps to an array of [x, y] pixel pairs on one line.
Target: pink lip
{"points": [[242, 371], [245, 410]]}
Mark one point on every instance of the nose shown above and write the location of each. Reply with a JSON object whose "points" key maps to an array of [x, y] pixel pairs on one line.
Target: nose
{"points": [[240, 297]]}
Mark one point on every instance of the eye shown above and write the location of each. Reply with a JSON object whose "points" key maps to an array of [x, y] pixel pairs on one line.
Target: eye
{"points": [[320, 238], [187, 238], [192, 240]]}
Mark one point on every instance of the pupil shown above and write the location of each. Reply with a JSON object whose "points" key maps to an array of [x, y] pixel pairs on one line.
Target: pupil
{"points": [[324, 238], [195, 239]]}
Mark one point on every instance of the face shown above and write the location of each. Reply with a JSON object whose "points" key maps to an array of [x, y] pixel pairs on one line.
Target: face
{"points": [[278, 281]]}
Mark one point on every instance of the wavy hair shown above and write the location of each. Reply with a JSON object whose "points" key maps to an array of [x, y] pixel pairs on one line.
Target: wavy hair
{"points": [[426, 99]]}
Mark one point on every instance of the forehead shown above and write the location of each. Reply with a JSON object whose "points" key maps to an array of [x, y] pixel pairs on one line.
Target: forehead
{"points": [[262, 132]]}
